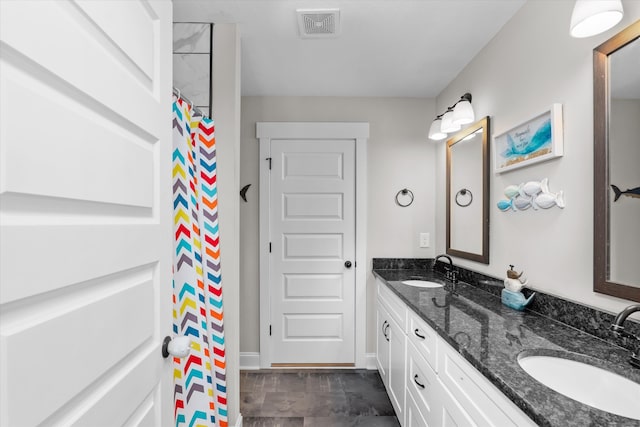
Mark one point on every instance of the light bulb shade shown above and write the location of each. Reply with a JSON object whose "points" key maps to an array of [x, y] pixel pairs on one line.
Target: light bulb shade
{"points": [[434, 131], [447, 123], [463, 113], [591, 17]]}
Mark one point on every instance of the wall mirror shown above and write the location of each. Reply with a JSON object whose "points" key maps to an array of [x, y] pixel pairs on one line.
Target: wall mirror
{"points": [[616, 65], [468, 193]]}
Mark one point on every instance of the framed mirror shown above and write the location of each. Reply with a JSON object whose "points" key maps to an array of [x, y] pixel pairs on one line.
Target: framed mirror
{"points": [[616, 97], [468, 193]]}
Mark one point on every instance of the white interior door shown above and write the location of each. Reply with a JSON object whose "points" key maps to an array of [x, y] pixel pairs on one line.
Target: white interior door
{"points": [[313, 251], [85, 230]]}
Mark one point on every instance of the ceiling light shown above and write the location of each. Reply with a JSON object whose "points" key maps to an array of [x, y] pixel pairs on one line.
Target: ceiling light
{"points": [[591, 17]]}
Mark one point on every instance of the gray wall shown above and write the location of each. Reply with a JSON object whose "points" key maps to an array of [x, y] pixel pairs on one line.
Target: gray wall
{"points": [[399, 156], [226, 112], [530, 64]]}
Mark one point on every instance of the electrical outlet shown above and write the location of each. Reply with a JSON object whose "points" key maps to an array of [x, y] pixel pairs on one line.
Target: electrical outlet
{"points": [[424, 240]]}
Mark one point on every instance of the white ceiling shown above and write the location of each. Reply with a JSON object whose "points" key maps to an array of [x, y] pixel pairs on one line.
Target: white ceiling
{"points": [[403, 48]]}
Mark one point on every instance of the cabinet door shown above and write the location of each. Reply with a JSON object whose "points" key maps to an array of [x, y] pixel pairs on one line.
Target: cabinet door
{"points": [[382, 343], [397, 359], [414, 417], [452, 414]]}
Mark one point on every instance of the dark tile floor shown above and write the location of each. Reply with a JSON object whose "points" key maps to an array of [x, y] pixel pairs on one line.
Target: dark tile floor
{"points": [[314, 398]]}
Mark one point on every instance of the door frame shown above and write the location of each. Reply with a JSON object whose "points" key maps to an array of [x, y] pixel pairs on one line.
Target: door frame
{"points": [[354, 131]]}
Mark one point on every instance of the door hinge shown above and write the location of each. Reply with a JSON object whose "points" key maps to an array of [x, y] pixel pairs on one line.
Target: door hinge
{"points": [[269, 330], [269, 158], [269, 247]]}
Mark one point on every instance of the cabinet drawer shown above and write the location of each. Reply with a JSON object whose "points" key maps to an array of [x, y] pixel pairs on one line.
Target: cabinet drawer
{"points": [[481, 400], [422, 384], [394, 305], [424, 337]]}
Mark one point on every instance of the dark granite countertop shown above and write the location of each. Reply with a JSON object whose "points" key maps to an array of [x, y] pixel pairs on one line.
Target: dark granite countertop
{"points": [[491, 336]]}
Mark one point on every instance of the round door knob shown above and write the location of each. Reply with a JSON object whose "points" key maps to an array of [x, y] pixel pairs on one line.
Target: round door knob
{"points": [[347, 264], [177, 347]]}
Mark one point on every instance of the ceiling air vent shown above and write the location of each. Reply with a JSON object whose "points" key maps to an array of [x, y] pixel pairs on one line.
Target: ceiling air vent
{"points": [[318, 23]]}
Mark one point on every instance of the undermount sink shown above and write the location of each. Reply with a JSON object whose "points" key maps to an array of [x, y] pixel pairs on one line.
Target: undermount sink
{"points": [[422, 284], [591, 385]]}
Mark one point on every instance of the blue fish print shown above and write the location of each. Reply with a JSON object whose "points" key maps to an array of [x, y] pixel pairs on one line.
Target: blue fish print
{"points": [[541, 138], [632, 192]]}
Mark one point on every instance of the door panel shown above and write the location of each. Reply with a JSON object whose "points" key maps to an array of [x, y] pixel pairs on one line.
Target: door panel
{"points": [[313, 234], [85, 248], [313, 286]]}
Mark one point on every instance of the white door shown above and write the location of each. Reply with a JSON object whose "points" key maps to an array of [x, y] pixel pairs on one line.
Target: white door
{"points": [[85, 231], [313, 249]]}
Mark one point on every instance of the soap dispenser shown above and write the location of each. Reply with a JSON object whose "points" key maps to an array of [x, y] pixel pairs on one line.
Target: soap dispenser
{"points": [[511, 295]]}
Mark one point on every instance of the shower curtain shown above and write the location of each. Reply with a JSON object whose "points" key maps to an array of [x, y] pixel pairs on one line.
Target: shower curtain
{"points": [[200, 392]]}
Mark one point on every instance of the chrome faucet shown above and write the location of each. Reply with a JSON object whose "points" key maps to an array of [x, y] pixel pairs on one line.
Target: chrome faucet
{"points": [[450, 273], [618, 330]]}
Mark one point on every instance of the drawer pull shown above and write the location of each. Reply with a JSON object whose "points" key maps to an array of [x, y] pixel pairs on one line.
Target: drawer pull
{"points": [[415, 380], [384, 324], [385, 331], [418, 334]]}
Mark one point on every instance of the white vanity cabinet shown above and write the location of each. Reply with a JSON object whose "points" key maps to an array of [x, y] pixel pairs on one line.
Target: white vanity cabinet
{"points": [[391, 346], [442, 388]]}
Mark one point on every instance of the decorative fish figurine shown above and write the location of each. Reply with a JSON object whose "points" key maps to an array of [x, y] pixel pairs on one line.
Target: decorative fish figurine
{"points": [[632, 192], [512, 191], [505, 205], [546, 200], [532, 188], [521, 203]]}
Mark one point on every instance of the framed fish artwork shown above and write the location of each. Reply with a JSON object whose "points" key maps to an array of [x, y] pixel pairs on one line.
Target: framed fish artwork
{"points": [[536, 140]]}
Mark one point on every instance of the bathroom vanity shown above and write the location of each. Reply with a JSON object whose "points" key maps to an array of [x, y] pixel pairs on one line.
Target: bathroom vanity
{"points": [[449, 356]]}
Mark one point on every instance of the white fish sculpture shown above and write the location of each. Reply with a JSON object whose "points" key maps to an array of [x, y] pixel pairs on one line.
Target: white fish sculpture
{"points": [[532, 188], [547, 199], [533, 194]]}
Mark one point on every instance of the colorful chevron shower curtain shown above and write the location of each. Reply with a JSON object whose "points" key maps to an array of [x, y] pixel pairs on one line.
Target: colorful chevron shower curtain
{"points": [[200, 391]]}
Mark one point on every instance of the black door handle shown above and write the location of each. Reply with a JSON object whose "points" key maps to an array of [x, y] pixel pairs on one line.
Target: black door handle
{"points": [[415, 380], [347, 264], [385, 331], [418, 335]]}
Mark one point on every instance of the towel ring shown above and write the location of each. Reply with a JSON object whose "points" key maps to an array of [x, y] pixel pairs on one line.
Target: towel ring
{"points": [[463, 193], [404, 192]]}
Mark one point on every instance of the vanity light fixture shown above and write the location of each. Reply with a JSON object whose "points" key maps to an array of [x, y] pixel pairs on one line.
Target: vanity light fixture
{"points": [[460, 113], [591, 17]]}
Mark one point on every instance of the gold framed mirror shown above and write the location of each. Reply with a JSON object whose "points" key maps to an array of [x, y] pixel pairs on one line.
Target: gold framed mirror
{"points": [[616, 97], [468, 193]]}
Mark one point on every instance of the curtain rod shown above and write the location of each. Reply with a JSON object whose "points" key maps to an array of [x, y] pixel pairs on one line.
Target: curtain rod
{"points": [[179, 94]]}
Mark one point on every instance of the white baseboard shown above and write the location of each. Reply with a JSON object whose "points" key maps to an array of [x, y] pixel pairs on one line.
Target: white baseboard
{"points": [[239, 421], [249, 360], [370, 361]]}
